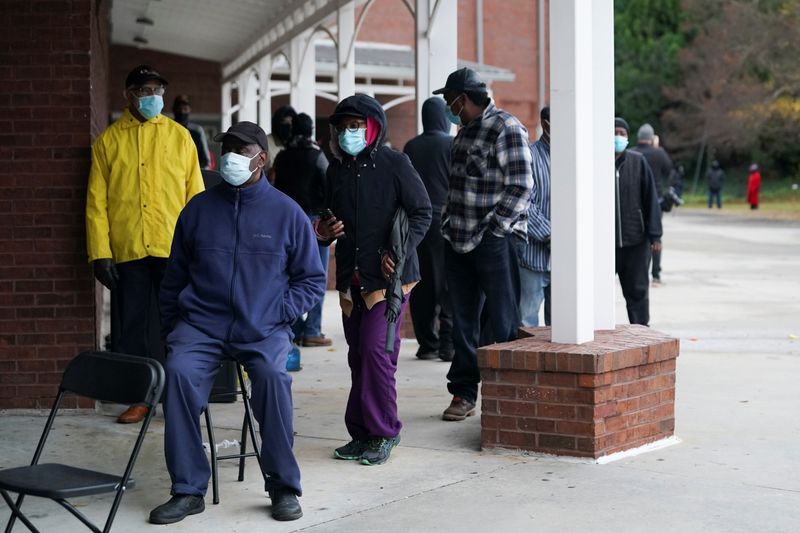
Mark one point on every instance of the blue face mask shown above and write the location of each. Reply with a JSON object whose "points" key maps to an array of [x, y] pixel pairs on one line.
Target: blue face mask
{"points": [[151, 106], [235, 168], [353, 142], [452, 117], [620, 143]]}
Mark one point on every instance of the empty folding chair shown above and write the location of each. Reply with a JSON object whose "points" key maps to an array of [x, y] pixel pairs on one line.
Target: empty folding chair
{"points": [[103, 376]]}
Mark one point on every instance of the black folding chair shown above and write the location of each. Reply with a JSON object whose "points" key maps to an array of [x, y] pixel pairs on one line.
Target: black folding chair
{"points": [[104, 376], [248, 426]]}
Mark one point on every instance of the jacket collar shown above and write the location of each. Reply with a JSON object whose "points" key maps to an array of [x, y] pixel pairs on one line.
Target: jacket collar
{"points": [[127, 120], [246, 194]]}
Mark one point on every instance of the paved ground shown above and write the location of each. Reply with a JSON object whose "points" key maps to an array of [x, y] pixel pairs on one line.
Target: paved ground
{"points": [[732, 295]]}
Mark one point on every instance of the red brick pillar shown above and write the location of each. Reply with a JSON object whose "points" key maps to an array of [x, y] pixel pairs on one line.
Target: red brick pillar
{"points": [[52, 68], [589, 400]]}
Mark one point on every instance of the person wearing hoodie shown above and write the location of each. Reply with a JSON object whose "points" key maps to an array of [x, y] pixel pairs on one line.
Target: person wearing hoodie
{"points": [[300, 174], [753, 186], [637, 225], [367, 183], [485, 225], [429, 152], [281, 135], [716, 179], [244, 266], [181, 110]]}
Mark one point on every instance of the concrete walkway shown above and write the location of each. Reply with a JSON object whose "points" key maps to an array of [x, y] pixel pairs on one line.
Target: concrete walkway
{"points": [[732, 295]]}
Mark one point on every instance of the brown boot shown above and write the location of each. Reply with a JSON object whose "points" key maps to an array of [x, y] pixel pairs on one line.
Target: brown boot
{"points": [[133, 415], [460, 408], [322, 340]]}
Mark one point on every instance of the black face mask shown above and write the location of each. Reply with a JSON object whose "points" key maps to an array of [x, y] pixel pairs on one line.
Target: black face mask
{"points": [[182, 118], [284, 132]]}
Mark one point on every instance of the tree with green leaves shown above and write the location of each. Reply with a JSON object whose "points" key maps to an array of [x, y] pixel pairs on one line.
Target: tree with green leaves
{"points": [[647, 38]]}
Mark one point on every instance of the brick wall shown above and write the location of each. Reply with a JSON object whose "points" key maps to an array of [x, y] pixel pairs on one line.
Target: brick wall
{"points": [[590, 400], [198, 78], [48, 119]]}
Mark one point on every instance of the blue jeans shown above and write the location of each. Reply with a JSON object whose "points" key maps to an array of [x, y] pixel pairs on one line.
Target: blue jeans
{"points": [[532, 284], [484, 279], [311, 326]]}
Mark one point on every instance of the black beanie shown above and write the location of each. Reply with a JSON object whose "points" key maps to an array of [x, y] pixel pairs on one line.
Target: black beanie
{"points": [[620, 122]]}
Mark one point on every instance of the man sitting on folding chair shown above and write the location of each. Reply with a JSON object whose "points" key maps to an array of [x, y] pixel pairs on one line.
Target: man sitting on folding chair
{"points": [[244, 265]]}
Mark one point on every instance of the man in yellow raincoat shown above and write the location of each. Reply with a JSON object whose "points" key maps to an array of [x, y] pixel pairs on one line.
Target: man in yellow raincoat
{"points": [[144, 170]]}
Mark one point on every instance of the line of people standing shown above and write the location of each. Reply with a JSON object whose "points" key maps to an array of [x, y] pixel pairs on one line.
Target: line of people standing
{"points": [[238, 265]]}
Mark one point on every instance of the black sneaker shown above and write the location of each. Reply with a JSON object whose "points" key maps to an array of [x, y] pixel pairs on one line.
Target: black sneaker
{"points": [[351, 451], [177, 508], [285, 505], [427, 354], [378, 450]]}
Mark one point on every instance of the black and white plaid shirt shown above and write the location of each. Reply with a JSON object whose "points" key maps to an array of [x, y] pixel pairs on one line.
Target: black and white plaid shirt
{"points": [[490, 180]]}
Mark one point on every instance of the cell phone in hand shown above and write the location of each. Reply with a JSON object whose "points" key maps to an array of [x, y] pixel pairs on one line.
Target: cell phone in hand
{"points": [[325, 214]]}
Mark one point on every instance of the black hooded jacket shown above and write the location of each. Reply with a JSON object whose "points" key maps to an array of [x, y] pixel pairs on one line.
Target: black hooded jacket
{"points": [[364, 192], [430, 151], [637, 211], [300, 173]]}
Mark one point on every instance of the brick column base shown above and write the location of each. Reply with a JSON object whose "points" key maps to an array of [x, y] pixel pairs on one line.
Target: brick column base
{"points": [[589, 400]]}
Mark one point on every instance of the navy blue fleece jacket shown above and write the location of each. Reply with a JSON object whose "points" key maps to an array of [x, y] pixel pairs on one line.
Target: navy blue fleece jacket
{"points": [[244, 264]]}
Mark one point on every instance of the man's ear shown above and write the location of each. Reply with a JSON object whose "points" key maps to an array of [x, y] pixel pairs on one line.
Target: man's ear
{"points": [[262, 158]]}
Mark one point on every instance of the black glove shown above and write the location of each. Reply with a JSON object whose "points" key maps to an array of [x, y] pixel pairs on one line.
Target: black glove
{"points": [[106, 272]]}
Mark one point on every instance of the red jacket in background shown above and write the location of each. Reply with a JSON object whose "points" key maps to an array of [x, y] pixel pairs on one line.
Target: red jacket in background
{"points": [[753, 186]]}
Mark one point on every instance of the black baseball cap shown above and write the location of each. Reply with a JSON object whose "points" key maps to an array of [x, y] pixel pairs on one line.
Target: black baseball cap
{"points": [[463, 79], [141, 75], [245, 131]]}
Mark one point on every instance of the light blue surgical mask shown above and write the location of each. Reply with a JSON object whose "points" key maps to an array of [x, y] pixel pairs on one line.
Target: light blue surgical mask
{"points": [[235, 168], [620, 143], [151, 106], [353, 142], [452, 117]]}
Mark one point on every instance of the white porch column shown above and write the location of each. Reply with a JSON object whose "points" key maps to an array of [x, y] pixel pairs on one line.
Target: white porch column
{"points": [[247, 96], [264, 96], [345, 47], [302, 68], [436, 47], [572, 168], [226, 106], [602, 134]]}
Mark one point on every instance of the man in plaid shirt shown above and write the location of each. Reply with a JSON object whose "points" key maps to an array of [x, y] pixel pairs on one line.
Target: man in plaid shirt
{"points": [[485, 225]]}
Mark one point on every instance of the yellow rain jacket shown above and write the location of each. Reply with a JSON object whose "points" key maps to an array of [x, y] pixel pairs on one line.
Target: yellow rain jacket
{"points": [[142, 175]]}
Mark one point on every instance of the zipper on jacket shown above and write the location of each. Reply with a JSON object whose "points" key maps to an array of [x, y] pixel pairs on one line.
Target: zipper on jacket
{"points": [[235, 256], [355, 230], [619, 212]]}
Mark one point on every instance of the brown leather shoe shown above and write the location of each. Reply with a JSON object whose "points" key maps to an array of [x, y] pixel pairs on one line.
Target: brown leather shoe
{"points": [[322, 340], [133, 415], [460, 408]]}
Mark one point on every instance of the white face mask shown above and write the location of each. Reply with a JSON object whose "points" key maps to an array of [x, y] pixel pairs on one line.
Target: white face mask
{"points": [[235, 168]]}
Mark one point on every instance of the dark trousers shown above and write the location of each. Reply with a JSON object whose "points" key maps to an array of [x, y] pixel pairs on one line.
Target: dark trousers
{"points": [[656, 270], [372, 404], [430, 300], [631, 265], [193, 361], [487, 276], [715, 194], [136, 304]]}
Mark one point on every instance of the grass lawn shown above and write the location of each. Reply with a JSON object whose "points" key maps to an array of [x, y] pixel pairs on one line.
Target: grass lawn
{"points": [[778, 200]]}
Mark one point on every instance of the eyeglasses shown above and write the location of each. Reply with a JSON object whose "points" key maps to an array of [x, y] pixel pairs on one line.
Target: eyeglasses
{"points": [[147, 91], [352, 126]]}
